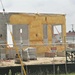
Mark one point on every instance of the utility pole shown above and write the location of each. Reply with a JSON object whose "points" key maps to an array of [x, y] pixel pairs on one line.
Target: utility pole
{"points": [[73, 31], [72, 27]]}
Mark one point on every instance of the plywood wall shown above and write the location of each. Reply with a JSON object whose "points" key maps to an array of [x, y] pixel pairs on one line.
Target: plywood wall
{"points": [[36, 22]]}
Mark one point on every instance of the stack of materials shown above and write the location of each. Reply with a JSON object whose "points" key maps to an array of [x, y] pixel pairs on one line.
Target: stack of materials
{"points": [[49, 54], [2, 54], [17, 60], [52, 52], [29, 54], [10, 54], [32, 53], [25, 55]]}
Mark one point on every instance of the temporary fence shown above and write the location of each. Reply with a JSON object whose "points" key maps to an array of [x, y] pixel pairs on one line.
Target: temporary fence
{"points": [[30, 52], [39, 50]]}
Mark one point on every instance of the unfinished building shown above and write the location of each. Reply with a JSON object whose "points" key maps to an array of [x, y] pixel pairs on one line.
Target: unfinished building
{"points": [[42, 31]]}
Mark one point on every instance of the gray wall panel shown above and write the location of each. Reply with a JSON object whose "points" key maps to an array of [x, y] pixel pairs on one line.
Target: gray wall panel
{"points": [[16, 33]]}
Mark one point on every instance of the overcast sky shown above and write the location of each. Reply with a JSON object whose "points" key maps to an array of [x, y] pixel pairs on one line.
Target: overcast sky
{"points": [[43, 6]]}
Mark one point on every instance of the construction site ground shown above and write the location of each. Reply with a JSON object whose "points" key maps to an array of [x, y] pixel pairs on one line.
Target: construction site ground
{"points": [[39, 61]]}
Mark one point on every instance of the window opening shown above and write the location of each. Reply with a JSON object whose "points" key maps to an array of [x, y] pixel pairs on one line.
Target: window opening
{"points": [[57, 34]]}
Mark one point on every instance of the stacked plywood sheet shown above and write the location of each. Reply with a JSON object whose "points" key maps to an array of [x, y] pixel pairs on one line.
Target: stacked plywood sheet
{"points": [[11, 54], [25, 55], [29, 54], [49, 54], [2, 54], [32, 53]]}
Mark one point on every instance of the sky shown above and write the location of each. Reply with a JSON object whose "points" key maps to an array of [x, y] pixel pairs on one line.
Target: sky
{"points": [[66, 7]]}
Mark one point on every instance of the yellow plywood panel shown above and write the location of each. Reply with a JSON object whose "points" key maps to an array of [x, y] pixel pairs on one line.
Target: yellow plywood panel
{"points": [[36, 31], [36, 22], [21, 19], [36, 43], [25, 19], [55, 20], [43, 49], [40, 18], [60, 48]]}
